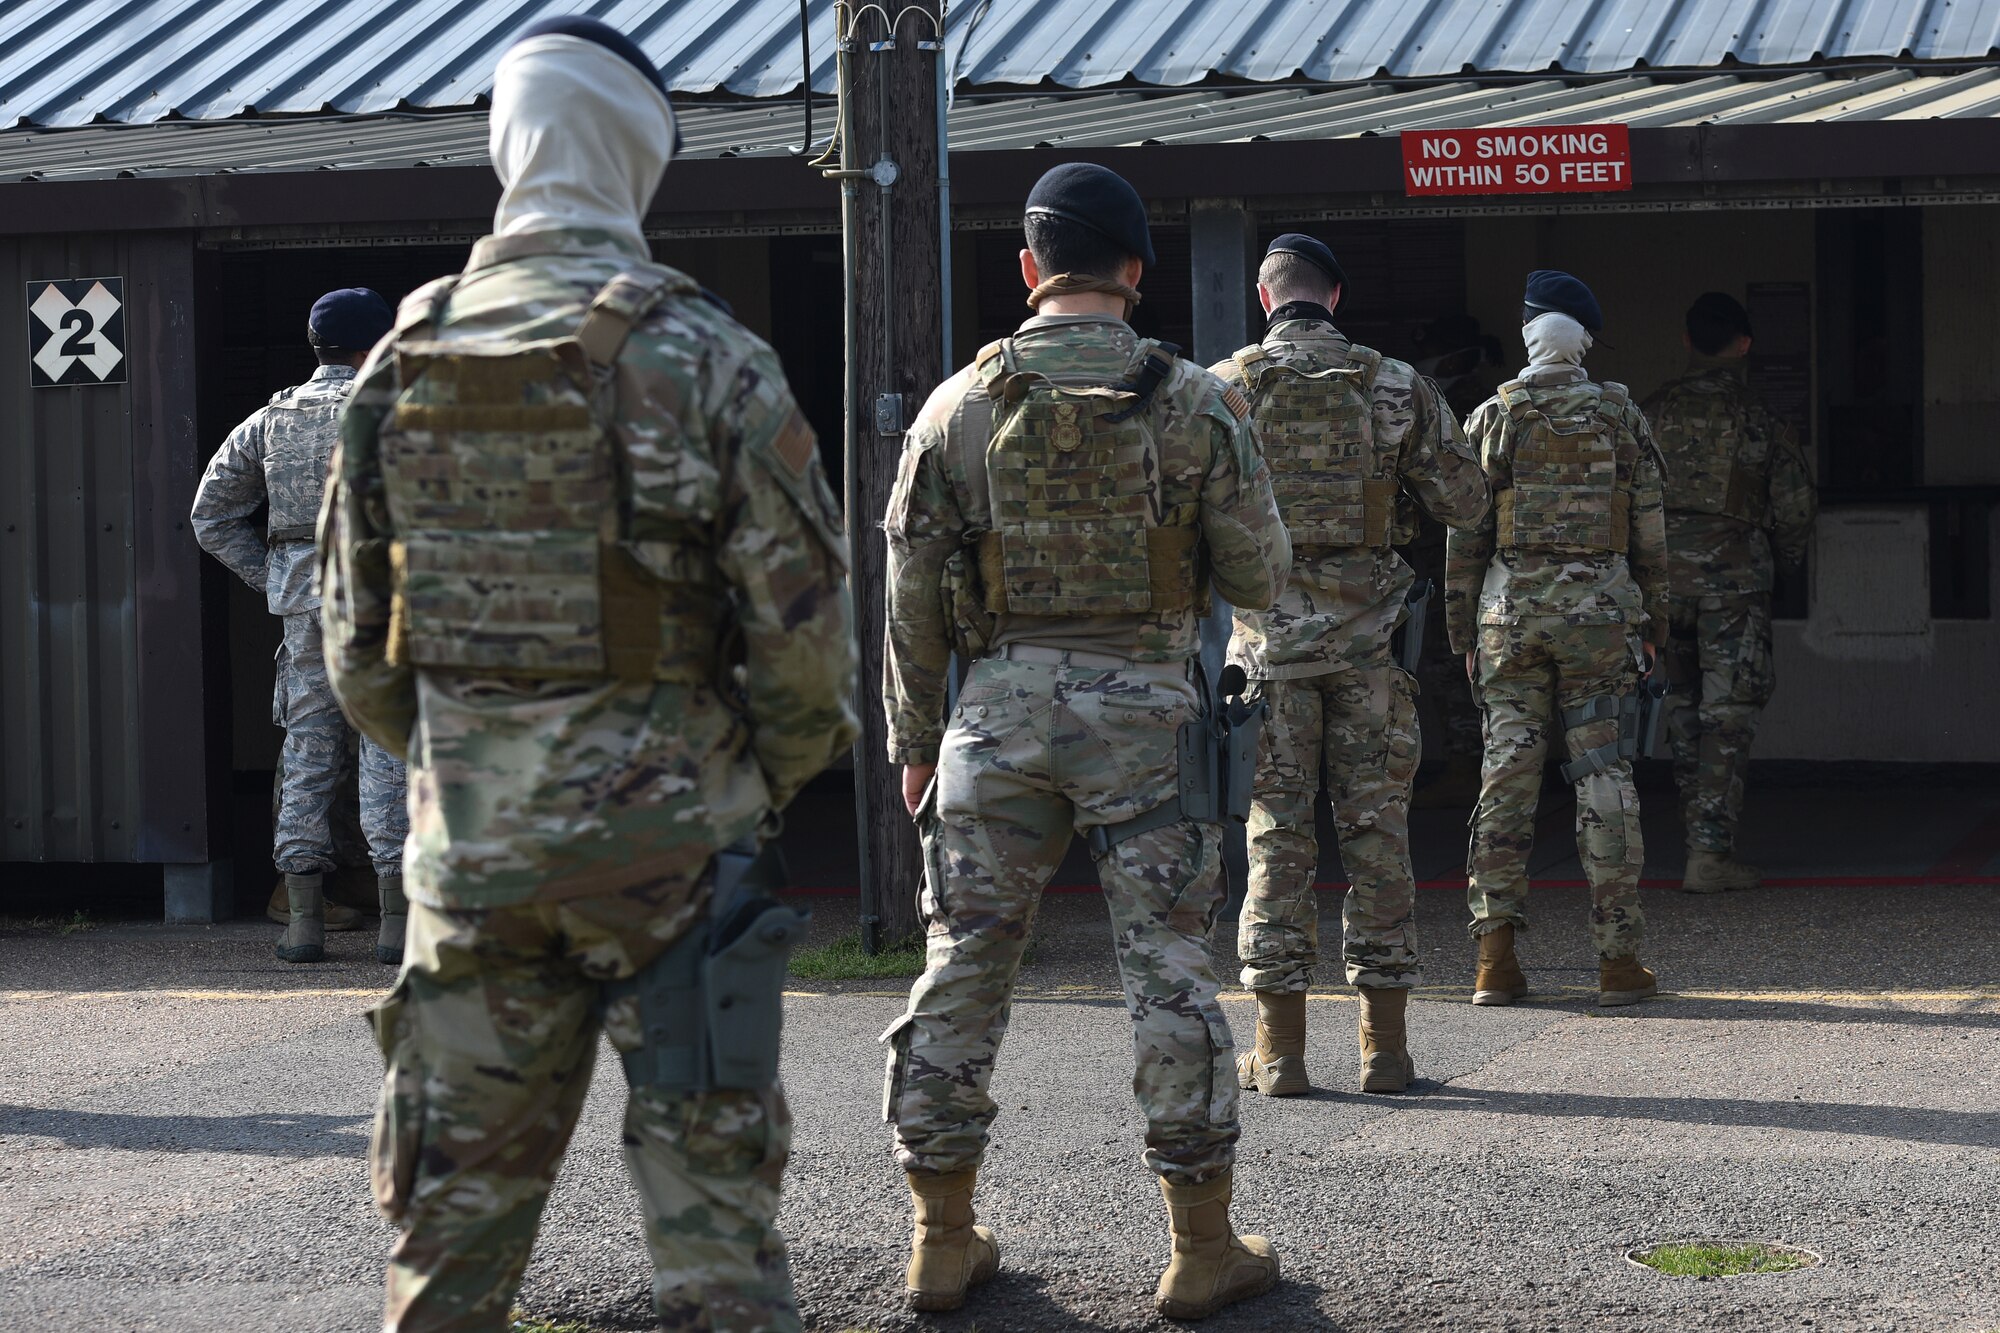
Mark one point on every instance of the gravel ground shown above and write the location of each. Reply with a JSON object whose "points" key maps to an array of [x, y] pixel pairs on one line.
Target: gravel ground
{"points": [[182, 1123]]}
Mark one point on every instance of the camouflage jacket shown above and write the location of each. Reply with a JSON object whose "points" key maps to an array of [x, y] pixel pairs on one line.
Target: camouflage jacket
{"points": [[1714, 555], [241, 479], [1202, 439], [543, 789], [1340, 606], [1484, 586]]}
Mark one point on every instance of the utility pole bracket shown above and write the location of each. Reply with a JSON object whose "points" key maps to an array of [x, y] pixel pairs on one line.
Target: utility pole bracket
{"points": [[888, 414]]}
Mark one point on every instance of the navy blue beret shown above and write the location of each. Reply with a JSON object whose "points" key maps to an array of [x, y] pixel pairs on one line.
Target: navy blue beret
{"points": [[1314, 252], [606, 36], [1552, 290], [353, 318], [1098, 198]]}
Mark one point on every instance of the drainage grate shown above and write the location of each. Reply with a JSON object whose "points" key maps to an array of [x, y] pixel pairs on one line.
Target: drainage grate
{"points": [[1703, 1258]]}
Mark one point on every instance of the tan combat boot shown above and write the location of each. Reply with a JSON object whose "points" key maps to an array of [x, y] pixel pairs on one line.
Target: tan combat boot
{"points": [[1277, 1067], [1623, 981], [395, 919], [1385, 1050], [1212, 1266], [1717, 872], [339, 916], [304, 940], [1500, 979], [948, 1254]]}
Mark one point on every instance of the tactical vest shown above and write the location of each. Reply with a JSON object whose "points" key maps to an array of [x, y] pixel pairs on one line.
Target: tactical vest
{"points": [[510, 511], [1565, 493], [1083, 521], [1703, 439], [1334, 487], [300, 430]]}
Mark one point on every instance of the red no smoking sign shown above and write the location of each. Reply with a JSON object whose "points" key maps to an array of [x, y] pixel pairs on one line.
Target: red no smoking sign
{"points": [[1549, 159]]}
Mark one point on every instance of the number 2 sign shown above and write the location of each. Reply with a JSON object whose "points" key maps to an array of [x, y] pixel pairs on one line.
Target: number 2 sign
{"points": [[76, 332]]}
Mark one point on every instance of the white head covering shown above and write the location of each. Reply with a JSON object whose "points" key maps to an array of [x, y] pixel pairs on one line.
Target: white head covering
{"points": [[579, 139], [1554, 339]]}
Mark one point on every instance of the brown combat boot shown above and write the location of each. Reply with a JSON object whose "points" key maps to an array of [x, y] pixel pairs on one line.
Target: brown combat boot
{"points": [[338, 916], [1500, 979], [1212, 1266], [948, 1254], [1277, 1067], [304, 940], [395, 920], [1385, 1050], [1623, 981], [1717, 872]]}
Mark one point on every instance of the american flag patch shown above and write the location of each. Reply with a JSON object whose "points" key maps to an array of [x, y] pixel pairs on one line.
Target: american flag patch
{"points": [[1234, 400]]}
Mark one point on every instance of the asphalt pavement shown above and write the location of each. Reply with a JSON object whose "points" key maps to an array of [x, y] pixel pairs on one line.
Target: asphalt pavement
{"points": [[183, 1122]]}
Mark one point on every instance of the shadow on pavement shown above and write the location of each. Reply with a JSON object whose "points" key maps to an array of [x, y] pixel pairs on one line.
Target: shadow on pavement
{"points": [[270, 1134], [1908, 1124]]}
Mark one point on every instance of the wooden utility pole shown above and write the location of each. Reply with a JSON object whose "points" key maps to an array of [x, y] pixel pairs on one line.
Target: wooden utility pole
{"points": [[891, 211]]}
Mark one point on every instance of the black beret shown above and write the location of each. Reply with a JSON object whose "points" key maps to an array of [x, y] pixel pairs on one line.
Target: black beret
{"points": [[1721, 310], [606, 36], [353, 318], [1098, 198], [1551, 290], [1314, 252]]}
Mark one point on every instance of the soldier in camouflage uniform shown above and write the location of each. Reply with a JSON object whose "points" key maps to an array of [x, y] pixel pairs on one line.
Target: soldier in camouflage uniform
{"points": [[1559, 600], [1737, 486], [1348, 434], [277, 459], [580, 552], [1060, 507]]}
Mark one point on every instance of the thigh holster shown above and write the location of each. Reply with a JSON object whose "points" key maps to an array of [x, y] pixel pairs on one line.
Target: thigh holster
{"points": [[1621, 749], [711, 1008]]}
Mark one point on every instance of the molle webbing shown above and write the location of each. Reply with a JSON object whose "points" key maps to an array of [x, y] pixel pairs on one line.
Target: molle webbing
{"points": [[507, 503], [1703, 442], [1072, 475], [1334, 487], [1565, 492]]}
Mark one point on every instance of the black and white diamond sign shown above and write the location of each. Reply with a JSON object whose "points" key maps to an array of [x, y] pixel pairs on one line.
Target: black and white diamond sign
{"points": [[76, 332]]}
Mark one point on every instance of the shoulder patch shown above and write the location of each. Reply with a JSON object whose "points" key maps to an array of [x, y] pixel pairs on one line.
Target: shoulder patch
{"points": [[795, 444], [1239, 406]]}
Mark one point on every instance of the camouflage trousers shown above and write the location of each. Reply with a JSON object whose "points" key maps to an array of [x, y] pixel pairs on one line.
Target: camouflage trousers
{"points": [[318, 750], [489, 1039], [1529, 674], [1718, 656], [1359, 729], [1036, 753]]}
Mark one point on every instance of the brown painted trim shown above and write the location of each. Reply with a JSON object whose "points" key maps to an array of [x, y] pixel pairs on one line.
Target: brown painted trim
{"points": [[1677, 156]]}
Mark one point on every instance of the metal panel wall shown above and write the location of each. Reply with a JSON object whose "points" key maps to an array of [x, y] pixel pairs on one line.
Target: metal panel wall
{"points": [[87, 477]]}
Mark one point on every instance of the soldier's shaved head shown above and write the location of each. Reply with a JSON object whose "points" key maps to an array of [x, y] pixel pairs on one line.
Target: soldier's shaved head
{"points": [[1289, 277]]}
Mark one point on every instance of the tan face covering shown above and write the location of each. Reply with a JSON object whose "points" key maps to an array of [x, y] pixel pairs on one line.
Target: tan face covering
{"points": [[1070, 284]]}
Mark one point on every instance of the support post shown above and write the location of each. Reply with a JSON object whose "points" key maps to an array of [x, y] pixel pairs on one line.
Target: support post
{"points": [[200, 893], [1222, 236], [895, 348]]}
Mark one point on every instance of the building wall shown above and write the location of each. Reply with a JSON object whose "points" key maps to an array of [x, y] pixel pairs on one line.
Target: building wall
{"points": [[1869, 673], [103, 723]]}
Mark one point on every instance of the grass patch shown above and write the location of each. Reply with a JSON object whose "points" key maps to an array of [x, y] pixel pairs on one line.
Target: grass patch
{"points": [[844, 960], [1705, 1258], [52, 925]]}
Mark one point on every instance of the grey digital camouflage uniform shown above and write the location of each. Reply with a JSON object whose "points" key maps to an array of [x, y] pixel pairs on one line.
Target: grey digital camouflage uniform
{"points": [[563, 829], [1553, 630], [277, 458], [1340, 707], [1737, 486], [1078, 731]]}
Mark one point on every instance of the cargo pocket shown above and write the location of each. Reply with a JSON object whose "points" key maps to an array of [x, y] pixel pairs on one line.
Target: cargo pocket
{"points": [[1221, 1067], [397, 1141], [897, 1038]]}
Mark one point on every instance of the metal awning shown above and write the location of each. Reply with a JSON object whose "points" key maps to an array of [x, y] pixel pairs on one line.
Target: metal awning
{"points": [[1094, 121]]}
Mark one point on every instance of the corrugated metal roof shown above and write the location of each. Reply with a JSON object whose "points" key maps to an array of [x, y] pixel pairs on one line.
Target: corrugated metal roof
{"points": [[72, 62], [1099, 120]]}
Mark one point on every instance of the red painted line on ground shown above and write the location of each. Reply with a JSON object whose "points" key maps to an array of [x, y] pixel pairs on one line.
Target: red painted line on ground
{"points": [[1770, 882], [1971, 853]]}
